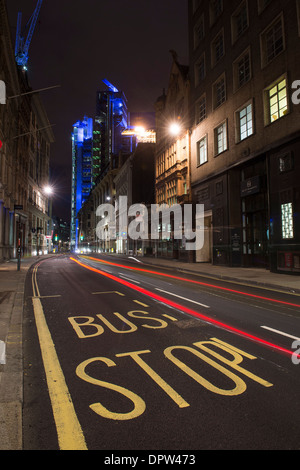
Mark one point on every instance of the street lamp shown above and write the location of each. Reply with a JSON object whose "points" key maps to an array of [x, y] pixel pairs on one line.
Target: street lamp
{"points": [[48, 191]]}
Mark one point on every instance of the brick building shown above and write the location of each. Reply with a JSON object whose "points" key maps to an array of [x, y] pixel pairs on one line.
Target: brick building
{"points": [[172, 156], [245, 142]]}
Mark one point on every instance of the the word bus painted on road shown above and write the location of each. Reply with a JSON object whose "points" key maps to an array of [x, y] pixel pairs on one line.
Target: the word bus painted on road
{"points": [[87, 327], [230, 369]]}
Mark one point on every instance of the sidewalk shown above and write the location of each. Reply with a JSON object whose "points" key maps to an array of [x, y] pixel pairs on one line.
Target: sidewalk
{"points": [[12, 284]]}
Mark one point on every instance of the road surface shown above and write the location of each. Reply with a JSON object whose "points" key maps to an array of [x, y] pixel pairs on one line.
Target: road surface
{"points": [[120, 356]]}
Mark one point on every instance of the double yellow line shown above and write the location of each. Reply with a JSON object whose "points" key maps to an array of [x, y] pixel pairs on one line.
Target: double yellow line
{"points": [[69, 432], [35, 287]]}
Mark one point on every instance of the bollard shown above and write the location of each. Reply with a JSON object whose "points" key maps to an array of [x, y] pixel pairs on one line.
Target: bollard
{"points": [[19, 259]]}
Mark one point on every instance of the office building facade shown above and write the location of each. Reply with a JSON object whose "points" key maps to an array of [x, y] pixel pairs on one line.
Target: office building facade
{"points": [[245, 170], [110, 121]]}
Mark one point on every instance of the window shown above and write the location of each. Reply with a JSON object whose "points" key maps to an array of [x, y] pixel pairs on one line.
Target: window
{"points": [[215, 10], [199, 32], [276, 101], [202, 151], [200, 70], [201, 109], [172, 193], [220, 134], [272, 41], [219, 92], [262, 4], [217, 49], [239, 21], [285, 163], [245, 122], [287, 220], [242, 70], [196, 4]]}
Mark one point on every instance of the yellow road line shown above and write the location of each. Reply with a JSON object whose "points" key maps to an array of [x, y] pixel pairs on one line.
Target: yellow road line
{"points": [[69, 432], [141, 303]]}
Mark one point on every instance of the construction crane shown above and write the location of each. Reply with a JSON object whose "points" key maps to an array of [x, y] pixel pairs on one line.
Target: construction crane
{"points": [[22, 44]]}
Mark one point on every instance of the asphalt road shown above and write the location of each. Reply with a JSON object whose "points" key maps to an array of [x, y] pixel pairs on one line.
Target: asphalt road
{"points": [[118, 358]]}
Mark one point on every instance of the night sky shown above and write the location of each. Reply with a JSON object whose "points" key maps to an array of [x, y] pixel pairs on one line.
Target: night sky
{"points": [[78, 43]]}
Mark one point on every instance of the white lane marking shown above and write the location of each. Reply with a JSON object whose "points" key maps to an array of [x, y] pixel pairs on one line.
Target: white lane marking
{"points": [[280, 332], [183, 298], [128, 278], [137, 260]]}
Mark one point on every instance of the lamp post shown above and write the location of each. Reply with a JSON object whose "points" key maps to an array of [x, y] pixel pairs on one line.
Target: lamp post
{"points": [[48, 191]]}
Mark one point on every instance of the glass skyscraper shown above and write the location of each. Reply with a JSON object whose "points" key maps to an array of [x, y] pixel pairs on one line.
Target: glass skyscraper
{"points": [[110, 121], [82, 171]]}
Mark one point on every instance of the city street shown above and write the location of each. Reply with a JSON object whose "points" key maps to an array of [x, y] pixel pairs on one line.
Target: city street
{"points": [[123, 356]]}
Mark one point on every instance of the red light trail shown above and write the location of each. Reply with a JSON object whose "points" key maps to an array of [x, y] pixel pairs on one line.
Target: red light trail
{"points": [[185, 309], [196, 282]]}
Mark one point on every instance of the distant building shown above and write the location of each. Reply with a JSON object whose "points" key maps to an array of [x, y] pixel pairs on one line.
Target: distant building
{"points": [[82, 171], [245, 142], [136, 181], [110, 121], [61, 234], [116, 136]]}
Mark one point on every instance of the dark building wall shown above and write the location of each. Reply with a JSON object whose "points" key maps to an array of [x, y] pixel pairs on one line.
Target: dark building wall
{"points": [[285, 190], [143, 174]]}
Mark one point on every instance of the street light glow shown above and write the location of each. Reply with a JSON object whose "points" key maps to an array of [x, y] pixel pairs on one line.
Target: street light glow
{"points": [[48, 190], [175, 129]]}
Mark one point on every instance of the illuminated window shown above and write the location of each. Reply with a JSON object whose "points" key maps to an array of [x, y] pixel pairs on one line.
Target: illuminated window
{"points": [[220, 134], [277, 101], [287, 220], [202, 151], [245, 122]]}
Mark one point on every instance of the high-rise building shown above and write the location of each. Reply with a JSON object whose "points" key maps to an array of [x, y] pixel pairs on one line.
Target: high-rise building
{"points": [[245, 141], [110, 121], [82, 171]]}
